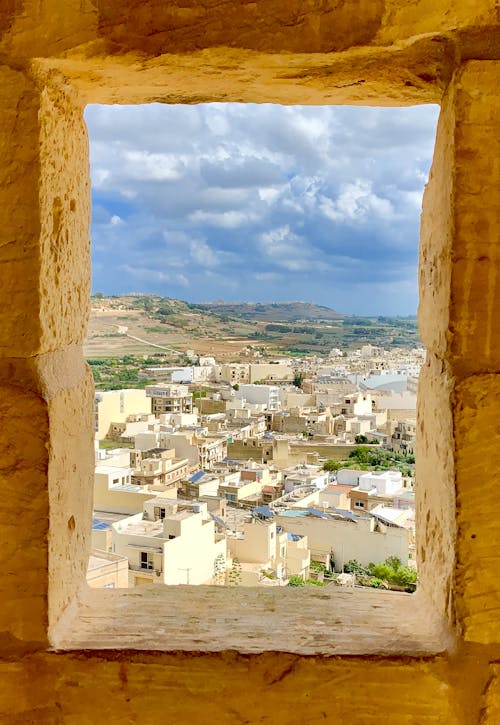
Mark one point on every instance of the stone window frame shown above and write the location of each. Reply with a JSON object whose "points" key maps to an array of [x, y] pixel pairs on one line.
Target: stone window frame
{"points": [[48, 391], [58, 56], [113, 616]]}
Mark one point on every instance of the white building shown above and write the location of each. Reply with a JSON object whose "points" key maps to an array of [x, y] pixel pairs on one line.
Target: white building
{"points": [[267, 395], [170, 543], [384, 483]]}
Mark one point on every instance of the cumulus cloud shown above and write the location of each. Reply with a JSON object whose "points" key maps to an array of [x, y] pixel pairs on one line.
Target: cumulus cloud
{"points": [[262, 202]]}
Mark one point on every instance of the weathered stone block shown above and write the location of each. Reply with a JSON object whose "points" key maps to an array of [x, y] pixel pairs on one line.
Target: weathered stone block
{"points": [[434, 491], [436, 235], [46, 473], [44, 215], [459, 257], [226, 688], [477, 442], [491, 704]]}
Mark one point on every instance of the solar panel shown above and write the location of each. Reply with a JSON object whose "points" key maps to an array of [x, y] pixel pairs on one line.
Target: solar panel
{"points": [[264, 511], [98, 525]]}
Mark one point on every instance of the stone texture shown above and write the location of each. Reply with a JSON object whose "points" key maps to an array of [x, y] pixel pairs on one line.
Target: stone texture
{"points": [[45, 211], [64, 216], [19, 221], [475, 290], [54, 58], [24, 515], [477, 465], [46, 472], [227, 688], [491, 702], [435, 490], [436, 236], [251, 620]]}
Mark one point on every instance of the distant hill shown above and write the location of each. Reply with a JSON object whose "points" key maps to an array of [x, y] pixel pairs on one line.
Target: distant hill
{"points": [[272, 311], [166, 327]]}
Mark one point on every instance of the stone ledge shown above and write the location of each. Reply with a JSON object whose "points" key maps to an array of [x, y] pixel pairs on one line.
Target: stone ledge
{"points": [[253, 620]]}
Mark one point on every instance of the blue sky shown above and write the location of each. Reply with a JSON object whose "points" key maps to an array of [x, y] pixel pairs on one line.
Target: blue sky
{"points": [[260, 202]]}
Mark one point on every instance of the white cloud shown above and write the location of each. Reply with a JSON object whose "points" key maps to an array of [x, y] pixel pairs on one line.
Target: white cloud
{"points": [[356, 202], [252, 191], [202, 254], [226, 219]]}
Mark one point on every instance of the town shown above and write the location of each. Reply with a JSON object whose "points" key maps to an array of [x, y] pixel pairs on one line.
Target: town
{"points": [[294, 471]]}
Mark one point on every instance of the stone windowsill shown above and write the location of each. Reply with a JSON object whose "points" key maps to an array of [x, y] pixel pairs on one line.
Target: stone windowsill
{"points": [[252, 620]]}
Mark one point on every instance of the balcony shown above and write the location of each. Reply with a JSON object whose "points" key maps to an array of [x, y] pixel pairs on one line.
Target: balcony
{"points": [[145, 569]]}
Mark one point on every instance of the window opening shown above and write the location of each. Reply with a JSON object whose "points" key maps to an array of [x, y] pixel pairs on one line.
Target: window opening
{"points": [[233, 423]]}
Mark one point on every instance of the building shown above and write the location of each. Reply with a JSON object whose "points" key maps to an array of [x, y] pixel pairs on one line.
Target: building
{"points": [[201, 451], [114, 491], [269, 372], [115, 406], [374, 488], [404, 436], [158, 468], [107, 570], [345, 536], [169, 543], [266, 395], [169, 399], [232, 373], [268, 548]]}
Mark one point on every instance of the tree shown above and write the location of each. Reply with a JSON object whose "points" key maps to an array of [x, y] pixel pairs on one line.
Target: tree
{"points": [[331, 465], [393, 571], [395, 562], [354, 567], [405, 575], [298, 379], [296, 581], [361, 439]]}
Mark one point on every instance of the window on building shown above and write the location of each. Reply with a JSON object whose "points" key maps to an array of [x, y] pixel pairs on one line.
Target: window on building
{"points": [[147, 560]]}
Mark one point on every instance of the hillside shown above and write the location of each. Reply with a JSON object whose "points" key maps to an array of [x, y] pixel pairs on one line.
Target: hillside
{"points": [[166, 329], [272, 311]]}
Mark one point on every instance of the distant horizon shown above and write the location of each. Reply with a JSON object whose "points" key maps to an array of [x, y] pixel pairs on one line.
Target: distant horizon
{"points": [[249, 302], [247, 201]]}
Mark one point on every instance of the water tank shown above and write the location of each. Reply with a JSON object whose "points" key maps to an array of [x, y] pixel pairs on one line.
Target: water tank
{"points": [[197, 507]]}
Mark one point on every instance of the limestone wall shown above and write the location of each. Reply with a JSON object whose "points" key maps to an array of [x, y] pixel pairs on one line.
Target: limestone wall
{"points": [[394, 661]]}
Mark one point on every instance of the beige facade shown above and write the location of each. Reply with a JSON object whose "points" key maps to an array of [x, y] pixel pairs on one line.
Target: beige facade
{"points": [[232, 373], [260, 543], [114, 492], [312, 421], [158, 468], [404, 436], [115, 406], [199, 450], [364, 540], [169, 544], [73, 655], [169, 399], [107, 570], [269, 372], [235, 492]]}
